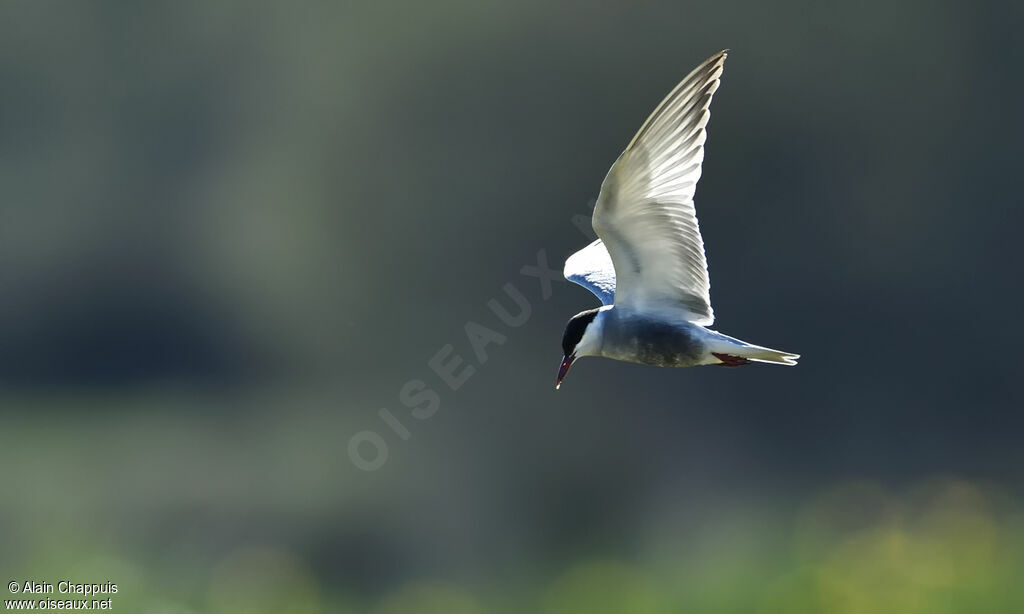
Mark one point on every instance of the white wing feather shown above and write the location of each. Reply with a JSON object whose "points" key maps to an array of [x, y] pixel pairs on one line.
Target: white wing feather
{"points": [[645, 214], [592, 268]]}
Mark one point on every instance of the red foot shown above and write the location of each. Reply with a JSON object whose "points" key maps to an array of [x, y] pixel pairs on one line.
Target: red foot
{"points": [[728, 360]]}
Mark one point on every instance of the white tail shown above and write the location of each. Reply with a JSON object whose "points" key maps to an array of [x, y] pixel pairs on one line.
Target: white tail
{"points": [[730, 351], [760, 354]]}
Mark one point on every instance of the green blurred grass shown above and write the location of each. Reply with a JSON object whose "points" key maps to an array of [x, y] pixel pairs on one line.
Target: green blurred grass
{"points": [[198, 509], [943, 546]]}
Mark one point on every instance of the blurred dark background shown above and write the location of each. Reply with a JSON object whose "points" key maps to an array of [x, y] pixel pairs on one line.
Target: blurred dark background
{"points": [[231, 233]]}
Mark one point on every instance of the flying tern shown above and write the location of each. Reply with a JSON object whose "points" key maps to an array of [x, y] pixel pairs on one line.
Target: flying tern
{"points": [[648, 266]]}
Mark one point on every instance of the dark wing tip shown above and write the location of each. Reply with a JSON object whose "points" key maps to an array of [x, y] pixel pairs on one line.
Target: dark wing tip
{"points": [[706, 72], [718, 58]]}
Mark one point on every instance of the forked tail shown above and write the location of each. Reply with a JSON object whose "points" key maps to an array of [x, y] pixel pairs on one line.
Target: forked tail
{"points": [[732, 352], [762, 354]]}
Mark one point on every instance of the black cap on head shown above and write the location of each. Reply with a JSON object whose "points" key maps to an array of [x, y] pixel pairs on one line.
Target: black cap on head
{"points": [[575, 328]]}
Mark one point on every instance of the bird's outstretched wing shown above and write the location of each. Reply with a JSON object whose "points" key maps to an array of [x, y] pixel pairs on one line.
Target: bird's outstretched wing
{"points": [[645, 213], [592, 268]]}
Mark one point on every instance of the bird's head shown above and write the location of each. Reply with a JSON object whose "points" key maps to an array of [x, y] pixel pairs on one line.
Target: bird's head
{"points": [[582, 337]]}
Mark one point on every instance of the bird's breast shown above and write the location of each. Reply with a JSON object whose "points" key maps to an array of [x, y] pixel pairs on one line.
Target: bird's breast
{"points": [[653, 341]]}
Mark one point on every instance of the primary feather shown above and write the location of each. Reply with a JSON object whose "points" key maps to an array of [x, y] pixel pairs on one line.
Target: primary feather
{"points": [[645, 215]]}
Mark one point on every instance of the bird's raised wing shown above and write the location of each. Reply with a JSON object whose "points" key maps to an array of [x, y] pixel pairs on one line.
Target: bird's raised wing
{"points": [[645, 213], [592, 268]]}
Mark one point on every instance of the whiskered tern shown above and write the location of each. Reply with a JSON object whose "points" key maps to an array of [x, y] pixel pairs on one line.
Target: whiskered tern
{"points": [[648, 266]]}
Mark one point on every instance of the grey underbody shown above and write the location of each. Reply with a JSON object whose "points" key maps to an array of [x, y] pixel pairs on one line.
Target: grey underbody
{"points": [[662, 342]]}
